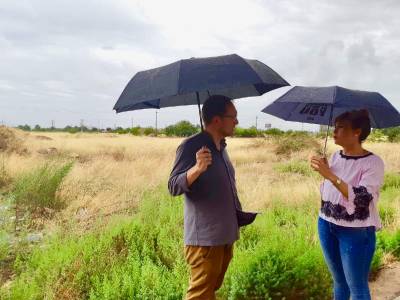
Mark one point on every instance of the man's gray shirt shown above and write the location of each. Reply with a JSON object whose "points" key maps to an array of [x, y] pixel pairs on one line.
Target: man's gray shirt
{"points": [[211, 201]]}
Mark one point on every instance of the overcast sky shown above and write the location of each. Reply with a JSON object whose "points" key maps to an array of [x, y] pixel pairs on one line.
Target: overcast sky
{"points": [[70, 60]]}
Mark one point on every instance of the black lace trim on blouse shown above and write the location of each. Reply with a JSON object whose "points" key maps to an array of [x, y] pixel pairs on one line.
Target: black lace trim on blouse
{"points": [[338, 212], [342, 155]]}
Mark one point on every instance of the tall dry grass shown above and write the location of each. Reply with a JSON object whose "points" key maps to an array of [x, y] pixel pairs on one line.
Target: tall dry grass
{"points": [[111, 172]]}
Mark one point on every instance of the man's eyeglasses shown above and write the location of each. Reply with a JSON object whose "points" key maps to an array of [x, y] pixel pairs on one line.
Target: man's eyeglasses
{"points": [[229, 116]]}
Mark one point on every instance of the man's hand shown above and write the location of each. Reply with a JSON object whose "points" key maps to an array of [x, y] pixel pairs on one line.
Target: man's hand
{"points": [[203, 160]]}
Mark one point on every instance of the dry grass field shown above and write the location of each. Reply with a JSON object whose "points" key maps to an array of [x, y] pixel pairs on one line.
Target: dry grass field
{"points": [[111, 174]]}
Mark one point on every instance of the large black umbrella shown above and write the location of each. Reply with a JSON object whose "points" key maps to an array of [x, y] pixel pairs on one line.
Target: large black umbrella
{"points": [[192, 81]]}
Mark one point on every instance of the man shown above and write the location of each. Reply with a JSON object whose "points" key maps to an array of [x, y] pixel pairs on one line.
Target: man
{"points": [[203, 172]]}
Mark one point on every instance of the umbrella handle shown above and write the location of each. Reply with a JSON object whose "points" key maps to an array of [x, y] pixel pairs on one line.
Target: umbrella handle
{"points": [[198, 105], [326, 140]]}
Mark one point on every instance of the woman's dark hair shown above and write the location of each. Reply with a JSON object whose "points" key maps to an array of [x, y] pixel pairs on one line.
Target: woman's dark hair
{"points": [[215, 105], [358, 119]]}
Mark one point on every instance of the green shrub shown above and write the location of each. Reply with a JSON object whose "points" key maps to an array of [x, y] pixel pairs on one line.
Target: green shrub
{"points": [[149, 131], [387, 214], [38, 188], [4, 245], [182, 128], [295, 143], [297, 167], [392, 180], [389, 242], [246, 132], [392, 133], [5, 178], [277, 257], [282, 261], [141, 258], [274, 132], [135, 131], [71, 129], [298, 133], [121, 130], [377, 135]]}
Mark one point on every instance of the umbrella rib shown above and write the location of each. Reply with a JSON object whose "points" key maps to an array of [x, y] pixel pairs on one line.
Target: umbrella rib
{"points": [[334, 94], [373, 119], [179, 77], [198, 104]]}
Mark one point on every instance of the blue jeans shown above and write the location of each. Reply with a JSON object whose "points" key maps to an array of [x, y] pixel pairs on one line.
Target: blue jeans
{"points": [[348, 252]]}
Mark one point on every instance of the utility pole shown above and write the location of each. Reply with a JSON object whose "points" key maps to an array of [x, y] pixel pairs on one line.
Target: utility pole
{"points": [[256, 122], [131, 122], [53, 124], [156, 121], [82, 125]]}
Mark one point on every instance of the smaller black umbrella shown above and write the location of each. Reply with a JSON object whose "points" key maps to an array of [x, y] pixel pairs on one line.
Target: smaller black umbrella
{"points": [[321, 105], [192, 81]]}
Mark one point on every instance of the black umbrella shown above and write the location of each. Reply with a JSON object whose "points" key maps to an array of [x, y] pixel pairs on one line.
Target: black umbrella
{"points": [[192, 81], [321, 105]]}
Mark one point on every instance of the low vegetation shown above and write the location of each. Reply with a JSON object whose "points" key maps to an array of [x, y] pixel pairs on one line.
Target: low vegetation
{"points": [[117, 233]]}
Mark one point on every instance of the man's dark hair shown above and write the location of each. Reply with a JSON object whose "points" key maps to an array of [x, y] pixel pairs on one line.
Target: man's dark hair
{"points": [[358, 119], [215, 105]]}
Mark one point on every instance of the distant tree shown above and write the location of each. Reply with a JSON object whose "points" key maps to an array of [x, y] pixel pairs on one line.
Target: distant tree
{"points": [[121, 130], [135, 130], [24, 127], [182, 128], [71, 129], [274, 132], [246, 132], [392, 133], [149, 131]]}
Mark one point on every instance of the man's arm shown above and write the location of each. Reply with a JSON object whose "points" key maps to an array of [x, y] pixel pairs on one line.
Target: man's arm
{"points": [[187, 168], [203, 160]]}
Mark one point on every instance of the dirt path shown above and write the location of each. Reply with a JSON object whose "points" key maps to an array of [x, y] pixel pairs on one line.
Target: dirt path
{"points": [[387, 285]]}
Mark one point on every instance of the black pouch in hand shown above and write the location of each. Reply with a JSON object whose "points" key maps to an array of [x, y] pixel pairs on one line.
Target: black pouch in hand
{"points": [[245, 218]]}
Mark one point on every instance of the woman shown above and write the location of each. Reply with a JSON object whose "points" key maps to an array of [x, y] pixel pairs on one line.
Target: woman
{"points": [[349, 213]]}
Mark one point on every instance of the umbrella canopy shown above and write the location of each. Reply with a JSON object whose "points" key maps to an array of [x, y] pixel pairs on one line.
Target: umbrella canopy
{"points": [[321, 105], [192, 81]]}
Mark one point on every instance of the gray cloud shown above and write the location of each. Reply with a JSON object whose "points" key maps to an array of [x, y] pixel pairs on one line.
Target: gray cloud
{"points": [[70, 60]]}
